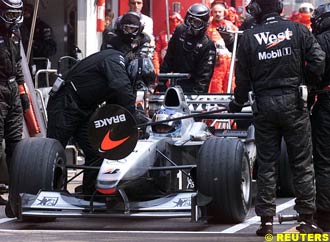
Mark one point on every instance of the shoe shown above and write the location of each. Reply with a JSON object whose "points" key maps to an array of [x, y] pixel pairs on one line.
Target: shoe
{"points": [[325, 226], [322, 219], [309, 228], [2, 201], [9, 212], [266, 226]]}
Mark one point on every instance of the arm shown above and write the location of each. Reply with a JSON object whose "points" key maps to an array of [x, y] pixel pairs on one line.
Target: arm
{"points": [[314, 58], [243, 81], [205, 67]]}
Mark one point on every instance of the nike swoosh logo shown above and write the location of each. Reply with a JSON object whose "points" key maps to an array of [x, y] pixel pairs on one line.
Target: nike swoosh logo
{"points": [[109, 144]]}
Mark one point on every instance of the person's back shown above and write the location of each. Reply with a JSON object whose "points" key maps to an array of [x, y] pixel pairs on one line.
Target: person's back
{"points": [[274, 59], [99, 74], [190, 50], [278, 64]]}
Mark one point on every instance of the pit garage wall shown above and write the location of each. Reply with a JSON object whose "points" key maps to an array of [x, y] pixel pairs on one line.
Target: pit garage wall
{"points": [[88, 40]]}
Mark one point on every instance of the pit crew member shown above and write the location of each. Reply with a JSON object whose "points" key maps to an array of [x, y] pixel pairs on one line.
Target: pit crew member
{"points": [[105, 76], [321, 121], [13, 97], [272, 58], [190, 50]]}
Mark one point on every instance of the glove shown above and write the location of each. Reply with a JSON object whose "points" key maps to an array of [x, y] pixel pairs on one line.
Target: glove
{"points": [[227, 37], [141, 118], [234, 107], [25, 101]]}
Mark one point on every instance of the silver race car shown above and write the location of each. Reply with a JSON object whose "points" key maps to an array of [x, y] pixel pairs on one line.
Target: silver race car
{"points": [[192, 163]]}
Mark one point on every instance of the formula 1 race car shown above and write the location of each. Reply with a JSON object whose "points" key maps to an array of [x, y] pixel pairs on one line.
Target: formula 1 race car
{"points": [[185, 168]]}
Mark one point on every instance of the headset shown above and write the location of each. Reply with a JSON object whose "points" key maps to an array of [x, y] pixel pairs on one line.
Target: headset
{"points": [[254, 9]]}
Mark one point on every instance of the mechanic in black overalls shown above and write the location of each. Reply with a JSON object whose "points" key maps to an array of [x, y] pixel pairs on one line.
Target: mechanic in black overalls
{"points": [[272, 58], [101, 77], [190, 50], [321, 121], [12, 92]]}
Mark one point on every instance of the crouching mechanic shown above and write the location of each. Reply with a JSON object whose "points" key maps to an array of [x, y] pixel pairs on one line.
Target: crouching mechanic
{"points": [[102, 77], [274, 68]]}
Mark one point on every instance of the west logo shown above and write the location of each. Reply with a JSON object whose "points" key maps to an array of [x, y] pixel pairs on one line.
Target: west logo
{"points": [[108, 121], [271, 40]]}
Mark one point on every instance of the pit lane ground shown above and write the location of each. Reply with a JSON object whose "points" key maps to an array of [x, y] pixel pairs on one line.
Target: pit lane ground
{"points": [[140, 229]]}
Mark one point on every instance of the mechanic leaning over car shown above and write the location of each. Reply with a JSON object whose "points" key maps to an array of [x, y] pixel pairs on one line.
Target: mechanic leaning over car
{"points": [[13, 97], [106, 76], [190, 50], [321, 121], [274, 60]]}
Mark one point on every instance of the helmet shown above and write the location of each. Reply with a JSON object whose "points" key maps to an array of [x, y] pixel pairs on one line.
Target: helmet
{"points": [[197, 19], [129, 26], [11, 12], [167, 129], [141, 72], [321, 18], [306, 8]]}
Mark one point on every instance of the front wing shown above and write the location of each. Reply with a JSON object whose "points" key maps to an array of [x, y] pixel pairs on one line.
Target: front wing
{"points": [[63, 204]]}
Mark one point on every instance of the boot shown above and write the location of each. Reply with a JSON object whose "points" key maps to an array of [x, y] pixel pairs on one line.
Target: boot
{"points": [[266, 226], [322, 219], [307, 225], [9, 212]]}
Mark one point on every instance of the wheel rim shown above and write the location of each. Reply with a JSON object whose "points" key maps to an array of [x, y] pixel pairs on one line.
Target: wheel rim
{"points": [[246, 180]]}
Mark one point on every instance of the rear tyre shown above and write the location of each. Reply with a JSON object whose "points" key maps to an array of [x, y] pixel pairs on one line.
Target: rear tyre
{"points": [[37, 163], [285, 179], [223, 173]]}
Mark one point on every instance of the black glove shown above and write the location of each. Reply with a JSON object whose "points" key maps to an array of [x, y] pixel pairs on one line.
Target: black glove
{"points": [[234, 107], [141, 118], [227, 37], [25, 102]]}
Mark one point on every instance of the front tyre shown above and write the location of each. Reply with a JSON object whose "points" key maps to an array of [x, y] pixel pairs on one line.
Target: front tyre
{"points": [[37, 163], [223, 173]]}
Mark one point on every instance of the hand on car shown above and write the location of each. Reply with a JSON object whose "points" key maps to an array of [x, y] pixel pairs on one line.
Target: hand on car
{"points": [[234, 107]]}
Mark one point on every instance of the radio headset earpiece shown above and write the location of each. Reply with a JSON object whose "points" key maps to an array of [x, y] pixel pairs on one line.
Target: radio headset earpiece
{"points": [[254, 9], [280, 6]]}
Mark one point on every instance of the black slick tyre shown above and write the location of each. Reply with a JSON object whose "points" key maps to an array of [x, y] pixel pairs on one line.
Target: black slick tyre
{"points": [[37, 163], [285, 178], [223, 173]]}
